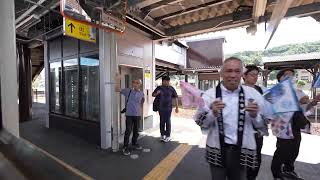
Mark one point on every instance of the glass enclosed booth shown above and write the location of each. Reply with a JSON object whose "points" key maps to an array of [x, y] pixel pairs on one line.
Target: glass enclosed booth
{"points": [[74, 87]]}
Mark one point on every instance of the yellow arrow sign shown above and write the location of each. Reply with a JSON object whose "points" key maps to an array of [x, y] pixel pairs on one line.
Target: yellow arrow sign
{"points": [[79, 30]]}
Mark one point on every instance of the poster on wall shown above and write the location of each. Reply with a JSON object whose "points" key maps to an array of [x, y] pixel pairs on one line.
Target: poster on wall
{"points": [[147, 78]]}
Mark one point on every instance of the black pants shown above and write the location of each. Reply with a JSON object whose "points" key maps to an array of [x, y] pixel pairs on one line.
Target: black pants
{"points": [[285, 155], [165, 122], [232, 169], [253, 173], [131, 122]]}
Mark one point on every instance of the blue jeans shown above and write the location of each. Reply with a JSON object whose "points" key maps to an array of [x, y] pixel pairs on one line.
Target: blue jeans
{"points": [[165, 122]]}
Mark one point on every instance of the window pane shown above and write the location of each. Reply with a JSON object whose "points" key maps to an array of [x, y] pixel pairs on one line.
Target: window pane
{"points": [[71, 87], [55, 87], [90, 92]]}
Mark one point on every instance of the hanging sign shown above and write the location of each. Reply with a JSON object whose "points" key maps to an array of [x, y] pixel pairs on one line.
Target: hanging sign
{"points": [[79, 30]]}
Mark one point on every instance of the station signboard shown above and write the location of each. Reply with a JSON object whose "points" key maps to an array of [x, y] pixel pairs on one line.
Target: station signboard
{"points": [[79, 30]]}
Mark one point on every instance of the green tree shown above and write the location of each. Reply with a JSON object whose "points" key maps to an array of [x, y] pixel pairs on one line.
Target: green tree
{"points": [[301, 83], [255, 57]]}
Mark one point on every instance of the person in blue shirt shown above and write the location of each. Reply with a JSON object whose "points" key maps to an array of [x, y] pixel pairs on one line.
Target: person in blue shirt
{"points": [[166, 94], [134, 105]]}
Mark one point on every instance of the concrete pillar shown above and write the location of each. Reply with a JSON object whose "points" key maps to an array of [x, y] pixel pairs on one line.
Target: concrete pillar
{"points": [[316, 70], [8, 68], [25, 82], [0, 107], [197, 80], [47, 71], [109, 106], [265, 77], [186, 78]]}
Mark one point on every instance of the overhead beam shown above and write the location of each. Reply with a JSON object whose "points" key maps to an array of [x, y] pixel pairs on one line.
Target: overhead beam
{"points": [[202, 26], [278, 14], [146, 3], [147, 20], [192, 9], [143, 23], [224, 22], [159, 5], [47, 8], [305, 10], [259, 8], [25, 14], [316, 17]]}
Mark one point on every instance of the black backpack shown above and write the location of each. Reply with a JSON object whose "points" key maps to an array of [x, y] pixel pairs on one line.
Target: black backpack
{"points": [[156, 104]]}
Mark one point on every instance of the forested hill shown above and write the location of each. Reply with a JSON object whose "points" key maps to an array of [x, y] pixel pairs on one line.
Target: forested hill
{"points": [[255, 57]]}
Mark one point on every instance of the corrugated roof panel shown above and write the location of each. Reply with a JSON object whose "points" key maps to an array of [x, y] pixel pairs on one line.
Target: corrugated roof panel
{"points": [[296, 57]]}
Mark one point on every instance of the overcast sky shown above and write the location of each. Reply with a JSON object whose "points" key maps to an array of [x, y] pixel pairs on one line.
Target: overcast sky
{"points": [[293, 30]]}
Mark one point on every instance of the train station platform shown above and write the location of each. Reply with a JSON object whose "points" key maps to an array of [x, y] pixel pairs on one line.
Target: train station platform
{"points": [[182, 158]]}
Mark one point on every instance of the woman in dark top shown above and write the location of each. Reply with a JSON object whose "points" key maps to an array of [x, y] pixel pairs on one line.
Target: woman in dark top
{"points": [[250, 78]]}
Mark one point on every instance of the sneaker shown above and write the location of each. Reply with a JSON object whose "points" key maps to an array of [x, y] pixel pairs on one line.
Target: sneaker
{"points": [[126, 151], [291, 175], [167, 139], [136, 146], [163, 138]]}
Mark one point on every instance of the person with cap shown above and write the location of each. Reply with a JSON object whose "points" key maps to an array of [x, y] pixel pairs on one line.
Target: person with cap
{"points": [[287, 151], [166, 94], [231, 112], [250, 77]]}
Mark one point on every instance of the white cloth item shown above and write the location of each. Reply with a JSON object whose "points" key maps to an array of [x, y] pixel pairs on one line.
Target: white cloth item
{"points": [[230, 116]]}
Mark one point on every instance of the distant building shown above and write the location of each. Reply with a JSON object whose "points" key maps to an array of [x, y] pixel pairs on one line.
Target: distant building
{"points": [[304, 75], [204, 59]]}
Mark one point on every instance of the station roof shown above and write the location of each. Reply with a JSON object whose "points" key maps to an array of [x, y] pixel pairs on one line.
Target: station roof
{"points": [[169, 19], [298, 61], [189, 17], [37, 20], [203, 69]]}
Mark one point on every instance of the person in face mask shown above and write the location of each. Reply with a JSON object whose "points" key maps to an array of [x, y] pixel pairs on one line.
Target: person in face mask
{"points": [[289, 73], [288, 149]]}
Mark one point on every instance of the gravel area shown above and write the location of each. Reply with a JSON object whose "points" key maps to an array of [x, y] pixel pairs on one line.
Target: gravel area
{"points": [[315, 129]]}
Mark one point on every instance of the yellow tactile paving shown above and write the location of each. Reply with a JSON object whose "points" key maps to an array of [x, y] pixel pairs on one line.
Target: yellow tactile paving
{"points": [[163, 170]]}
